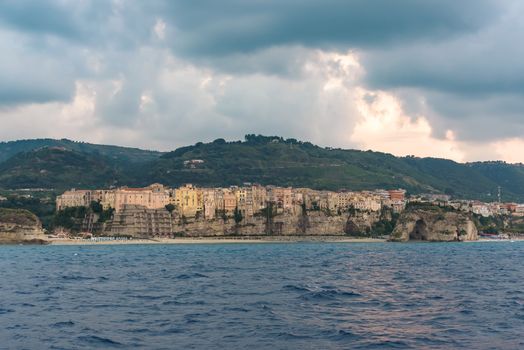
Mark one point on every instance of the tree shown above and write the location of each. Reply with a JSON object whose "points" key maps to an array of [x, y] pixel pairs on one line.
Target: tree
{"points": [[106, 214], [219, 142], [96, 207], [170, 208], [237, 216], [304, 209], [269, 211]]}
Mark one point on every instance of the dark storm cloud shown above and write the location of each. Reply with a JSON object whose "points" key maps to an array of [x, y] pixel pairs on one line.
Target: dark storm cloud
{"points": [[47, 45], [472, 66], [450, 52], [473, 83], [209, 27], [38, 17]]}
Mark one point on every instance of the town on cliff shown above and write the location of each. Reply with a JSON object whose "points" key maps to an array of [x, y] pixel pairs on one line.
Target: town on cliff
{"points": [[254, 209]]}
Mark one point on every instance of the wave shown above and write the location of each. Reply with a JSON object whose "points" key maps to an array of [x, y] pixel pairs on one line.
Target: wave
{"points": [[100, 341], [185, 276]]}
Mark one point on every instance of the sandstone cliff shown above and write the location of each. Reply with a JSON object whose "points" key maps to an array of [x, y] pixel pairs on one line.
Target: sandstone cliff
{"points": [[435, 225], [20, 226], [314, 223], [360, 223], [137, 221]]}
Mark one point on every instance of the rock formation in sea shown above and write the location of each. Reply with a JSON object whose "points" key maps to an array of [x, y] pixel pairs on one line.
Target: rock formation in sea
{"points": [[18, 226], [434, 224]]}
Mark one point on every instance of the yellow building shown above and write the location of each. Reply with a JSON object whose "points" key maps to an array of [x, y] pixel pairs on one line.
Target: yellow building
{"points": [[189, 200], [244, 201]]}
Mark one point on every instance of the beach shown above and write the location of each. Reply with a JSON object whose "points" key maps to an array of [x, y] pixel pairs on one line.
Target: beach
{"points": [[216, 240]]}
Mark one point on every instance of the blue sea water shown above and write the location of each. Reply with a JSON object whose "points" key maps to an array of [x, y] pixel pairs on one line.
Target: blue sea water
{"points": [[263, 296]]}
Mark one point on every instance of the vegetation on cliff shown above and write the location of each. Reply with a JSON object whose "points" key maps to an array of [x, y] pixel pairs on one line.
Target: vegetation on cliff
{"points": [[44, 208], [371, 224], [72, 218], [499, 224], [20, 217]]}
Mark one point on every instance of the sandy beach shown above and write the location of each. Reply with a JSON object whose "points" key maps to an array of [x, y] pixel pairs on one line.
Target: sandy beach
{"points": [[217, 240]]}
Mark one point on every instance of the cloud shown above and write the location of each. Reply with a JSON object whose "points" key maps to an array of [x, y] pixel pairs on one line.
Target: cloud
{"points": [[208, 27], [33, 74], [160, 29], [441, 78], [472, 83], [384, 126], [509, 149], [170, 102]]}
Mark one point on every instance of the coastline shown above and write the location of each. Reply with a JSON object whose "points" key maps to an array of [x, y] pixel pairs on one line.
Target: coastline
{"points": [[220, 240]]}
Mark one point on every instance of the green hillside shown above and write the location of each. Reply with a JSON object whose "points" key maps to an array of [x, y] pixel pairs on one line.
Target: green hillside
{"points": [[273, 160], [115, 153], [266, 160], [58, 168]]}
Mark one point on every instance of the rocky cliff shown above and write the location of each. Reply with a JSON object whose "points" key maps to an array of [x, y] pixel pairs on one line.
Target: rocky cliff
{"points": [[360, 223], [435, 225], [20, 226], [314, 223], [140, 222]]}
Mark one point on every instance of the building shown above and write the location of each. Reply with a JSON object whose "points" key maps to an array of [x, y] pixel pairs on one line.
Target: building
{"points": [[154, 196], [367, 201], [138, 221], [480, 209], [230, 201], [282, 197], [193, 163], [209, 199], [519, 210], [73, 198], [344, 200], [244, 197], [259, 194], [188, 200], [397, 195]]}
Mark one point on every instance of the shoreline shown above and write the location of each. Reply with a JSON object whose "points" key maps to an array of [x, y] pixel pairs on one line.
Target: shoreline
{"points": [[220, 240], [227, 240]]}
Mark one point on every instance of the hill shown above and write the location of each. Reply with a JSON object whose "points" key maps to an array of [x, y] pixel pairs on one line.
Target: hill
{"points": [[58, 168], [273, 160], [115, 153], [262, 159]]}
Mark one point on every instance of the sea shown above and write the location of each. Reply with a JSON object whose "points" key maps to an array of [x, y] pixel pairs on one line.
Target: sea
{"points": [[263, 296]]}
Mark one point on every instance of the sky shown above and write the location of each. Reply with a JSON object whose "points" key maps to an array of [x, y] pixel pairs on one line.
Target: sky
{"points": [[440, 78]]}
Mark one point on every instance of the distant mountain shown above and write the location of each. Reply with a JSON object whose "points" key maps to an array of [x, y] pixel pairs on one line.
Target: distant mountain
{"points": [[262, 159], [116, 153]]}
